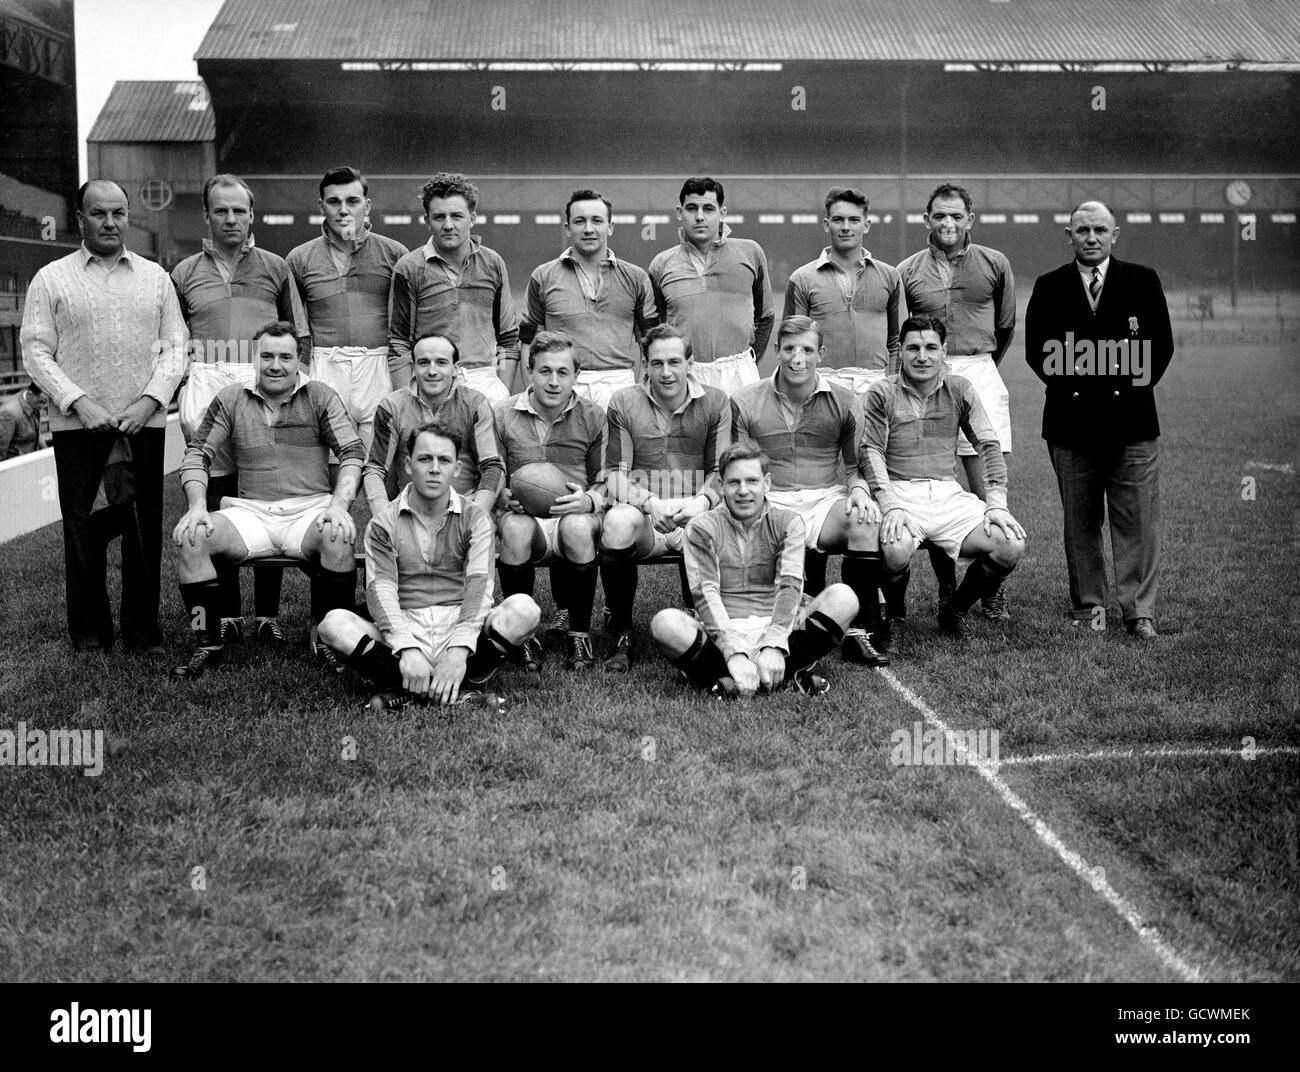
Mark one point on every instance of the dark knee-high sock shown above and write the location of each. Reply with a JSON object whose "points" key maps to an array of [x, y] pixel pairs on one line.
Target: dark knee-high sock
{"points": [[819, 635], [266, 592], [232, 603], [814, 572], [203, 601], [376, 662], [517, 580], [618, 576], [945, 569], [332, 590], [895, 588], [559, 595], [982, 577], [862, 571], [579, 584], [688, 600], [490, 652], [702, 662]]}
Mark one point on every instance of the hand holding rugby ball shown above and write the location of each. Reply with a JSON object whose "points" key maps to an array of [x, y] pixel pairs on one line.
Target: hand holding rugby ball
{"points": [[536, 486]]}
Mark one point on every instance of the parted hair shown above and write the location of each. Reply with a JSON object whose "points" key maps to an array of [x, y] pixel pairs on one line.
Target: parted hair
{"points": [[742, 451], [798, 325], [226, 179], [846, 193], [668, 331], [439, 428], [455, 350], [343, 175], [553, 342], [923, 323]]}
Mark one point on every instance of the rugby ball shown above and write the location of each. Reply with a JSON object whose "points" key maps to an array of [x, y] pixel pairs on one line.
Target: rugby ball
{"points": [[537, 486]]}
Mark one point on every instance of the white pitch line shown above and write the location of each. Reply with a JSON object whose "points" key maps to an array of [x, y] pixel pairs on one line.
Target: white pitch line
{"points": [[1094, 877], [1159, 752]]}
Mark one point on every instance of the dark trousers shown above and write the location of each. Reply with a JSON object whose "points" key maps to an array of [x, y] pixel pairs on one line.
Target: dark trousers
{"points": [[1124, 483], [80, 457]]}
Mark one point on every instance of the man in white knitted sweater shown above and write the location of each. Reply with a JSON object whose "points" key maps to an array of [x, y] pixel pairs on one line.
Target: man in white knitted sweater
{"points": [[103, 336]]}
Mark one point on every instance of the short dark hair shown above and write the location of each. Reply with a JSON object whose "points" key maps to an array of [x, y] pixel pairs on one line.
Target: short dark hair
{"points": [[701, 185], [439, 428], [951, 189], [587, 195], [743, 450], [923, 323], [81, 192], [846, 193], [668, 331], [277, 329], [342, 176], [553, 342], [798, 325], [449, 184], [455, 350], [226, 180]]}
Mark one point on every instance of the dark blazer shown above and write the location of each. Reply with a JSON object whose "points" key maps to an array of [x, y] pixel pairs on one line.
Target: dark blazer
{"points": [[1099, 411]]}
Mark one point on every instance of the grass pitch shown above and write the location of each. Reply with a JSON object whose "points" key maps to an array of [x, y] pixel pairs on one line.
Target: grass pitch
{"points": [[625, 828]]}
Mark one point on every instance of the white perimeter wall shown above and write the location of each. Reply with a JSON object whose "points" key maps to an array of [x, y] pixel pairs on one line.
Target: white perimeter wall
{"points": [[29, 487]]}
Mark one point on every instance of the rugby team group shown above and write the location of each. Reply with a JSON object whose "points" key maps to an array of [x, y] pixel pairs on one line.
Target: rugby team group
{"points": [[355, 365]]}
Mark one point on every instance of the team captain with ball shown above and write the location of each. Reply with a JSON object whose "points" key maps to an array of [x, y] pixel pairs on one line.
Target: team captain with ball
{"points": [[594, 471]]}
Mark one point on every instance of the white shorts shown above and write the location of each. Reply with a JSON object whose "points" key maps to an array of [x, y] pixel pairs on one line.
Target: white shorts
{"points": [[202, 385], [729, 373], [431, 627], [857, 380], [814, 505], [273, 528], [666, 543], [484, 380], [360, 377], [945, 513], [598, 386], [995, 399]]}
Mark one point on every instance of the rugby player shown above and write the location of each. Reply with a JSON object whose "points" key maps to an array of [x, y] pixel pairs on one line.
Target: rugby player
{"points": [[434, 393], [854, 298], [227, 292], [715, 288], [661, 460], [810, 428], [605, 305], [343, 278], [971, 289], [280, 431], [429, 554], [455, 286], [745, 562], [548, 422], [910, 426]]}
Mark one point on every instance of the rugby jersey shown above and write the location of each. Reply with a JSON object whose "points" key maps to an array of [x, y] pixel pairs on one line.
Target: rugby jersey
{"points": [[739, 572], [974, 294], [411, 563], [346, 308], [857, 314], [574, 443]]}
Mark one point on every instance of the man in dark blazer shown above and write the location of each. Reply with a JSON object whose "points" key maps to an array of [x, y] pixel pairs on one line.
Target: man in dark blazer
{"points": [[1097, 334]]}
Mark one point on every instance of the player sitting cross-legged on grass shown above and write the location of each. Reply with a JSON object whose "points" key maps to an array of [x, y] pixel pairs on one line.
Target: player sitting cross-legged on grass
{"points": [[429, 588], [745, 563], [910, 426], [280, 431], [549, 423], [665, 437]]}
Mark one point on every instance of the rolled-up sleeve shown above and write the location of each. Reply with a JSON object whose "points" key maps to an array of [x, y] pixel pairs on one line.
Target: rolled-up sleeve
{"points": [[477, 600]]}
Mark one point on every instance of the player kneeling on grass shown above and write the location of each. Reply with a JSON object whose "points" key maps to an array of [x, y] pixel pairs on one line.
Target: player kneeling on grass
{"points": [[549, 423], [744, 559], [429, 588], [280, 431], [910, 426]]}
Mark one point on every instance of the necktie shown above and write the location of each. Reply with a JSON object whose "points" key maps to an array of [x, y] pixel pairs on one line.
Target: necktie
{"points": [[1094, 285]]}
